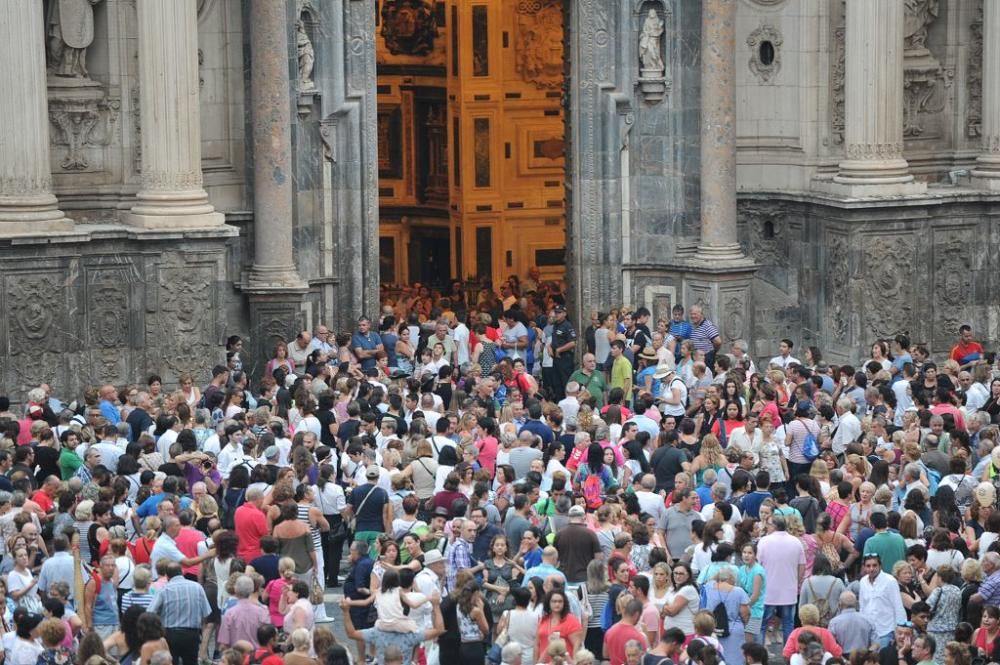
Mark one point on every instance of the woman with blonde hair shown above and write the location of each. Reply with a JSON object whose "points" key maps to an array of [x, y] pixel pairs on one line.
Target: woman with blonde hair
{"points": [[821, 472], [709, 457], [859, 515], [795, 527]]}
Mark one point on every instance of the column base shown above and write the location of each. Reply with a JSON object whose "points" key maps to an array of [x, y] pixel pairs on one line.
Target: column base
{"points": [[175, 221], [21, 216], [858, 188], [721, 254], [986, 175], [274, 280]]}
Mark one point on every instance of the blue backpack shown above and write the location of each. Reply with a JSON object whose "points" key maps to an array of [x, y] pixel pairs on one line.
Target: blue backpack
{"points": [[810, 447]]}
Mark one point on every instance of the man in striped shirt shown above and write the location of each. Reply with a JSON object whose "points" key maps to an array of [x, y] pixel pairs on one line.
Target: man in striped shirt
{"points": [[183, 606], [704, 335]]}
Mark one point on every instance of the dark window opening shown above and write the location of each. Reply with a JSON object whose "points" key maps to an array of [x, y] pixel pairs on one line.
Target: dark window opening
{"points": [[766, 53]]}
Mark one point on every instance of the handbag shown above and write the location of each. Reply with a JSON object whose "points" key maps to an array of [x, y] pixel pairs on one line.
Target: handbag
{"points": [[352, 522], [316, 595]]}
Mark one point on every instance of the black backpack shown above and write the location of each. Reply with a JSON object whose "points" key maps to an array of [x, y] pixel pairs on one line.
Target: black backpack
{"points": [[721, 615]]}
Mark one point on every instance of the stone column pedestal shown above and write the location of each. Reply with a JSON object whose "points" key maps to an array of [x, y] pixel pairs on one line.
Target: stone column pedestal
{"points": [[719, 238], [874, 164], [986, 175], [172, 195], [27, 204], [271, 93]]}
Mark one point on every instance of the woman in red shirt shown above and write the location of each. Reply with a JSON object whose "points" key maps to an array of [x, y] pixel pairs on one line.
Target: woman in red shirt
{"points": [[558, 621]]}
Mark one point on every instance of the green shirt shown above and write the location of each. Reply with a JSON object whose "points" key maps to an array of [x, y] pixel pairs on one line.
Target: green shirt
{"points": [[889, 546], [593, 384], [69, 462]]}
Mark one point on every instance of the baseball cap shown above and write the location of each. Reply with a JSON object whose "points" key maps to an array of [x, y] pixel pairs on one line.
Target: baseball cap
{"points": [[271, 452], [371, 471], [559, 308], [432, 556], [577, 511]]}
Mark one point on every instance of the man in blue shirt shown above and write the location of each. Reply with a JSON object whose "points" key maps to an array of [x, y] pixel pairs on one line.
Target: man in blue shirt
{"points": [[366, 344], [108, 408], [679, 328], [535, 425], [901, 353]]}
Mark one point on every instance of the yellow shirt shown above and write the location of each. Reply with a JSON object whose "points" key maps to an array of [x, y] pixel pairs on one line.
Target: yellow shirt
{"points": [[621, 373]]}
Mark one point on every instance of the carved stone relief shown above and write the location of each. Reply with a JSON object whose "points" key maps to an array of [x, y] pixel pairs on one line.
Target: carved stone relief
{"points": [[734, 317], [409, 27], [838, 274], [923, 75], [765, 52], [838, 73], [974, 76], [34, 303], [82, 118], [888, 283], [184, 324], [952, 283], [538, 42]]}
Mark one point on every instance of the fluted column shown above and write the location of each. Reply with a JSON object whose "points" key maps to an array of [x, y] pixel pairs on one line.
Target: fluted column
{"points": [[270, 117], [987, 171], [874, 163], [719, 240], [27, 204], [172, 193]]}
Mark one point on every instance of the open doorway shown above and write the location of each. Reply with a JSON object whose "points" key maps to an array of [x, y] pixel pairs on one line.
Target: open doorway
{"points": [[471, 140]]}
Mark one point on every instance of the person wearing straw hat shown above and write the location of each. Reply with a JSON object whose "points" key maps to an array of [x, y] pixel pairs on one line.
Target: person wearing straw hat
{"points": [[674, 394], [644, 377]]}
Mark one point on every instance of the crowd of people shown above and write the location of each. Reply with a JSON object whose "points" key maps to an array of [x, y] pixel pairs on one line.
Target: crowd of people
{"points": [[484, 485]]}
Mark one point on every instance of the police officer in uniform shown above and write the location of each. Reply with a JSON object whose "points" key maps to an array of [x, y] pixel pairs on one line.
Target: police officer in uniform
{"points": [[563, 351]]}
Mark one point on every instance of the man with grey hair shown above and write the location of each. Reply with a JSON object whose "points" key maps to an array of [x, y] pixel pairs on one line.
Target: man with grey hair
{"points": [[989, 588], [850, 628], [739, 352], [511, 654], [250, 524], [166, 546], [848, 426], [910, 482], [570, 405], [240, 621]]}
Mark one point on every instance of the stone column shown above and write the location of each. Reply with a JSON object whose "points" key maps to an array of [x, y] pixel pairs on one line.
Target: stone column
{"points": [[27, 204], [874, 164], [172, 195], [270, 116], [719, 239], [987, 171]]}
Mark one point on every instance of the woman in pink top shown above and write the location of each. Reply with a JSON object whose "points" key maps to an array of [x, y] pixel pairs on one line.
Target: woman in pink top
{"points": [[275, 589], [279, 359], [487, 444]]}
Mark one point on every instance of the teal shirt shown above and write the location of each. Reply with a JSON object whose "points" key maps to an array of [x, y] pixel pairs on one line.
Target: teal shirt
{"points": [[746, 578]]}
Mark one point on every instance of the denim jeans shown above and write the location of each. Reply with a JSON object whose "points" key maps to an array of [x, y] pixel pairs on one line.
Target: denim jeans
{"points": [[886, 640], [787, 614]]}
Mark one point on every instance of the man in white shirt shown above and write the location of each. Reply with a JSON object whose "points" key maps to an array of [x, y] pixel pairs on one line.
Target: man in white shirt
{"points": [[515, 336], [233, 452], [785, 358], [570, 405], [300, 348], [739, 352], [748, 438], [878, 594], [460, 334], [674, 396], [848, 426], [650, 502], [431, 416]]}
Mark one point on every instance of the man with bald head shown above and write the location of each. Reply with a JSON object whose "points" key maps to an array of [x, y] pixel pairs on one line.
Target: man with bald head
{"points": [[109, 404], [850, 628], [590, 379]]}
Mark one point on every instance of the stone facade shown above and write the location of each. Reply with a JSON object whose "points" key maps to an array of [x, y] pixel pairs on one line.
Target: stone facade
{"points": [[128, 237]]}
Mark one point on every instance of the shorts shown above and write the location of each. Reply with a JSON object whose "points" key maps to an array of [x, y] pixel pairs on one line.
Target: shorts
{"points": [[753, 625]]}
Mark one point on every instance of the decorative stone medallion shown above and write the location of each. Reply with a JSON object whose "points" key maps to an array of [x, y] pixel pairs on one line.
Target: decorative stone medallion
{"points": [[409, 27]]}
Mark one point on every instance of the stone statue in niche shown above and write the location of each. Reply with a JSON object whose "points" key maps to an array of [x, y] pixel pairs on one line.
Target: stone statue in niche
{"points": [[652, 68], [919, 14], [70, 31], [306, 55], [649, 45]]}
